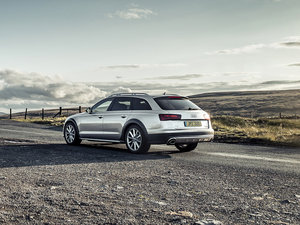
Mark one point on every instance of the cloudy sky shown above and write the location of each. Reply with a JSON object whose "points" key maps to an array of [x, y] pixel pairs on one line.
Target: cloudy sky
{"points": [[74, 52]]}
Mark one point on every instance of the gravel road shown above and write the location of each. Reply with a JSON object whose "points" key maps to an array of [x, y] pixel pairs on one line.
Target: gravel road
{"points": [[44, 181]]}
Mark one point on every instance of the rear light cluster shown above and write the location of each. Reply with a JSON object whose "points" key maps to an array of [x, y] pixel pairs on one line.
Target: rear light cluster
{"points": [[176, 97], [164, 117], [206, 116]]}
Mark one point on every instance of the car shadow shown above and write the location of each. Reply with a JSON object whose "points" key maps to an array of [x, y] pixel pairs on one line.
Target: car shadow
{"points": [[22, 155], [122, 148]]}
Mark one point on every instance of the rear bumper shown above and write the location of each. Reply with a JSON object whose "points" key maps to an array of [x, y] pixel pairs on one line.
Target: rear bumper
{"points": [[172, 138]]}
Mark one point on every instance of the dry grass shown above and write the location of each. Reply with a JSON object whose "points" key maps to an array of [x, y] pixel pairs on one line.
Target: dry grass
{"points": [[57, 121], [260, 131], [250, 103]]}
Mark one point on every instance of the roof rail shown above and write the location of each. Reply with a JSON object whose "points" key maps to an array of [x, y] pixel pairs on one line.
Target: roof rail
{"points": [[128, 94], [165, 93]]}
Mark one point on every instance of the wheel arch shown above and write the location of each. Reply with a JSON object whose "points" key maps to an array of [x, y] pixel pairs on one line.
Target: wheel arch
{"points": [[132, 122], [71, 120]]}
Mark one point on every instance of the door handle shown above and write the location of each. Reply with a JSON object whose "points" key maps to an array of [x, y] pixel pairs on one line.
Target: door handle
{"points": [[123, 116], [100, 117]]}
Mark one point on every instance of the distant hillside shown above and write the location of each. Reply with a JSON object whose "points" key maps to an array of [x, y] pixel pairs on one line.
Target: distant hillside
{"points": [[240, 103], [250, 103]]}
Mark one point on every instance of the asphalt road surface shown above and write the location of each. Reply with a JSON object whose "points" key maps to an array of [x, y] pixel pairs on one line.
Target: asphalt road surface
{"points": [[44, 181]]}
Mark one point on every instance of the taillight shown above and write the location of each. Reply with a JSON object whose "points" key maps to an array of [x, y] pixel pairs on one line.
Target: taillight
{"points": [[176, 97], [164, 117], [206, 116]]}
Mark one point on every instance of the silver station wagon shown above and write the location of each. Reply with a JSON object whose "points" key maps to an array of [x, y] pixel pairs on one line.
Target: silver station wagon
{"points": [[139, 120]]}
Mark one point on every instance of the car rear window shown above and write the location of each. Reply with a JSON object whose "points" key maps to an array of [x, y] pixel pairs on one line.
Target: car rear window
{"points": [[175, 103]]}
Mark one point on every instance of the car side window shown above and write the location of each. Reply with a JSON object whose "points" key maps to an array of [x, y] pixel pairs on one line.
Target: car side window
{"points": [[121, 104], [102, 107], [140, 104]]}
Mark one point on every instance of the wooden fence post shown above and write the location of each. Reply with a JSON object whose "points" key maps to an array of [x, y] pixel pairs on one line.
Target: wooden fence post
{"points": [[60, 111], [10, 113], [43, 114], [79, 109], [25, 116], [280, 115]]}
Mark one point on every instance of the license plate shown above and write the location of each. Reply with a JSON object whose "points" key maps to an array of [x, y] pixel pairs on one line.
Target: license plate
{"points": [[193, 123]]}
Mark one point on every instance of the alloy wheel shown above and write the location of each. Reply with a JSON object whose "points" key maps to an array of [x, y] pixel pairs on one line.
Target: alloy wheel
{"points": [[134, 139], [70, 133]]}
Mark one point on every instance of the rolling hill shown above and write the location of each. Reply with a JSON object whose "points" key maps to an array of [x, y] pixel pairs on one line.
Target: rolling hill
{"points": [[240, 103], [250, 103]]}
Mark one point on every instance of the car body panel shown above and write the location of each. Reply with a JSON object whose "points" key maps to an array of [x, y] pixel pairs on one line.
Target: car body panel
{"points": [[111, 125]]}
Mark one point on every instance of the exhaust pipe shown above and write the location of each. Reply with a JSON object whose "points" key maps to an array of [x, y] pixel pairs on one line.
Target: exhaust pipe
{"points": [[171, 141]]}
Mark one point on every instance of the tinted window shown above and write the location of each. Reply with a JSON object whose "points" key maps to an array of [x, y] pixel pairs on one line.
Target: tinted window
{"points": [[175, 103], [102, 106], [121, 104], [140, 104]]}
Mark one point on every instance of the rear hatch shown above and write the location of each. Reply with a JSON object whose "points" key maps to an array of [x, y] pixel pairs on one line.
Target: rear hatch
{"points": [[189, 115]]}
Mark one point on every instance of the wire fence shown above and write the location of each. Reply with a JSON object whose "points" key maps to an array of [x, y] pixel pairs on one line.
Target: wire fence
{"points": [[43, 113], [61, 111]]}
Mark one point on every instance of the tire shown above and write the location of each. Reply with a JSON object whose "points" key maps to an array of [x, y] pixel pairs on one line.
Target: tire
{"points": [[186, 147], [136, 140], [71, 134]]}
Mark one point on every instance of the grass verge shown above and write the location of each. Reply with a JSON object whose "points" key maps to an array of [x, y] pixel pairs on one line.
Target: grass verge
{"points": [[232, 129], [58, 121]]}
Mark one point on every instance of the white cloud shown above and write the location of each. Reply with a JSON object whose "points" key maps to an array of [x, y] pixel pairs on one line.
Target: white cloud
{"points": [[139, 66], [288, 42], [32, 90], [244, 49], [125, 66], [277, 1], [294, 64], [121, 90], [132, 13], [189, 88], [179, 77], [164, 65], [18, 88]]}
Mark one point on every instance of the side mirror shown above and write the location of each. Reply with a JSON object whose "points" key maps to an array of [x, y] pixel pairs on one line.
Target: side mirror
{"points": [[89, 110]]}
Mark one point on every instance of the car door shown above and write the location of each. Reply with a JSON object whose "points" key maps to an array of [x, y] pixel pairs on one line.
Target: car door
{"points": [[115, 118], [91, 125]]}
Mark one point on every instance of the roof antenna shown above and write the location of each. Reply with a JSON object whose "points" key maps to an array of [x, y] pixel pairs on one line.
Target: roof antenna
{"points": [[164, 93]]}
